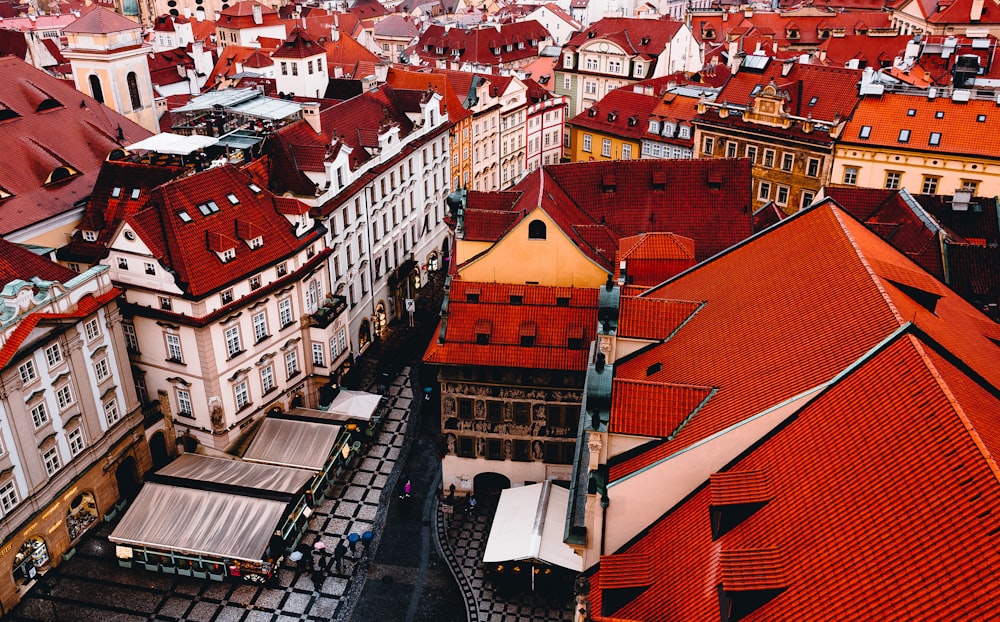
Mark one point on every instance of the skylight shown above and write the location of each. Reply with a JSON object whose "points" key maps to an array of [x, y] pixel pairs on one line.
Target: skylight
{"points": [[208, 208], [813, 100], [935, 139], [135, 193], [866, 131], [116, 192], [912, 112], [184, 216], [904, 136], [939, 114], [254, 187], [981, 118], [232, 199]]}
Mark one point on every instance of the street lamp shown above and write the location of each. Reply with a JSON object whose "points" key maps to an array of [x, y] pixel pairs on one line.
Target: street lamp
{"points": [[46, 585]]}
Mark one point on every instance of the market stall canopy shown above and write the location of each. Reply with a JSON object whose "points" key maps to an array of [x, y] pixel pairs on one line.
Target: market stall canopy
{"points": [[528, 525], [347, 406], [287, 442], [199, 522], [175, 144], [238, 475]]}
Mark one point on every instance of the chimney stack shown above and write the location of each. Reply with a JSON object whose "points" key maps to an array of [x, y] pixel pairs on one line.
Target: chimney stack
{"points": [[258, 17]]}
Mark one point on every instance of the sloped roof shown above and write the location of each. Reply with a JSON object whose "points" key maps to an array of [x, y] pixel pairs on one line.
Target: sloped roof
{"points": [[840, 284], [952, 122], [396, 25], [50, 125], [630, 34], [651, 258], [505, 323], [298, 45], [856, 484], [478, 45], [623, 112], [17, 262], [181, 246], [871, 51], [440, 82], [99, 20]]}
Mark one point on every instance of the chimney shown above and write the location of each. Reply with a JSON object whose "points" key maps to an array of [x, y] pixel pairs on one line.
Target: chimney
{"points": [[786, 67], [258, 17], [187, 12], [310, 114]]}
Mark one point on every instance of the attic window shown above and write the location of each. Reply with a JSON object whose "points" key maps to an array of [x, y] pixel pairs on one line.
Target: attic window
{"points": [[592, 112], [813, 100], [866, 131], [562, 301], [254, 188], [184, 216], [591, 34], [654, 127], [714, 180], [48, 104], [4, 193], [90, 236], [516, 299], [939, 114], [61, 173], [609, 183], [652, 369], [644, 41], [135, 193], [228, 255], [483, 329], [981, 118], [256, 242], [912, 112], [660, 180], [935, 139], [536, 230], [233, 200], [633, 121], [527, 332], [6, 114], [471, 296], [793, 34], [208, 208], [904, 136], [116, 192], [612, 116]]}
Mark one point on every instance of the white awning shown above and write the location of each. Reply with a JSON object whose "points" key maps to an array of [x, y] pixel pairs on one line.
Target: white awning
{"points": [[175, 144], [198, 522], [529, 524], [286, 442], [237, 473]]}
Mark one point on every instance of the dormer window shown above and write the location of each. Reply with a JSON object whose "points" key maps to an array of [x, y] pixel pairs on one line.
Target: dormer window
{"points": [[90, 236], [256, 242], [612, 116], [116, 192], [208, 208], [592, 112], [793, 34], [233, 199], [654, 127], [228, 255], [708, 33], [61, 173], [568, 61]]}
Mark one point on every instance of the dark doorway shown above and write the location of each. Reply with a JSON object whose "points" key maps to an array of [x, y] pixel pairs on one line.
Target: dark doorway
{"points": [[128, 478], [488, 486], [158, 449]]}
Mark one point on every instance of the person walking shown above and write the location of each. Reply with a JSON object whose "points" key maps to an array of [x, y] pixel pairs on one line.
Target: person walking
{"points": [[338, 556]]}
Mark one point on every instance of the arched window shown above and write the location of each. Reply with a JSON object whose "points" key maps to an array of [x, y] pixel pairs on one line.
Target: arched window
{"points": [[95, 89], [133, 90], [536, 230]]}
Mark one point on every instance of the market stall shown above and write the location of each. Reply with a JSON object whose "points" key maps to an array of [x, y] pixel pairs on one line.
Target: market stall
{"points": [[315, 447]]}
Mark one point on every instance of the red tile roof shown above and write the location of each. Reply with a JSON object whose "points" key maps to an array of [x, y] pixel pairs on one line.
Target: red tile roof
{"points": [[856, 485], [652, 258], [182, 247], [451, 101], [17, 262], [623, 112], [99, 20], [851, 289], [299, 44], [538, 314], [952, 122], [479, 45], [240, 15], [49, 124], [646, 38]]}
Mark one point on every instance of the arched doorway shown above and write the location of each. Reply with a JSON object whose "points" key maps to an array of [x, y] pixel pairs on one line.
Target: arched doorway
{"points": [[81, 515], [380, 317], [128, 478], [296, 401], [445, 254], [158, 449], [488, 486], [433, 262], [31, 559], [364, 335]]}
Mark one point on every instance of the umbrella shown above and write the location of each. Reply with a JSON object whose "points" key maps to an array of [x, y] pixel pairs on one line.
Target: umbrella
{"points": [[295, 556], [320, 545], [353, 537]]}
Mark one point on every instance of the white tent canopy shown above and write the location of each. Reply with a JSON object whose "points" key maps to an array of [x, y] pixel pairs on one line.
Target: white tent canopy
{"points": [[285, 442], [237, 473], [175, 144], [199, 522], [529, 524]]}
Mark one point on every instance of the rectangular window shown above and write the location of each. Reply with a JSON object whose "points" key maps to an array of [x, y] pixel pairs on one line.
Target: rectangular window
{"points": [[708, 145], [752, 154], [904, 136], [285, 312], [233, 345], [731, 147], [464, 409], [122, 263], [64, 396], [8, 497], [131, 341], [254, 283], [101, 369], [787, 160], [935, 139], [284, 68], [39, 414], [53, 355], [466, 447], [292, 363], [930, 185], [812, 167], [782, 197], [149, 268], [75, 440], [226, 296], [892, 179], [260, 327], [626, 152], [865, 133], [174, 352], [111, 412], [807, 198], [165, 303], [587, 142], [27, 372], [319, 358], [851, 175], [92, 329], [184, 407], [522, 413], [281, 269], [606, 147], [769, 158], [295, 69], [267, 379], [51, 460], [764, 191], [970, 185], [242, 395]]}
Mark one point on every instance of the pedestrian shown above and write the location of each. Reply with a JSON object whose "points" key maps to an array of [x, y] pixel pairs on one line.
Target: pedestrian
{"points": [[471, 509], [319, 550], [306, 561], [318, 577], [338, 555]]}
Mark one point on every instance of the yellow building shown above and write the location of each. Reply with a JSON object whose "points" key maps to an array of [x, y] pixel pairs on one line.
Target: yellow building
{"points": [[928, 146], [611, 129]]}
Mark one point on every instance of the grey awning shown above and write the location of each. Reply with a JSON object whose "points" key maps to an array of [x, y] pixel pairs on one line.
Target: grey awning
{"points": [[285, 442], [198, 522], [347, 406], [237, 473]]}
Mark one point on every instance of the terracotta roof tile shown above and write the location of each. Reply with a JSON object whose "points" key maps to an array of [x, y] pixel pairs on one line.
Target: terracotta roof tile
{"points": [[653, 318], [478, 45], [649, 408], [739, 487], [99, 20]]}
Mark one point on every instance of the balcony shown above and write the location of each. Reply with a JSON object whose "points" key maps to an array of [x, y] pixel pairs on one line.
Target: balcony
{"points": [[332, 307]]}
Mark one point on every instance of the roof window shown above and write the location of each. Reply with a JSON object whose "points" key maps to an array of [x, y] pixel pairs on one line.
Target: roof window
{"points": [[135, 193], [912, 112], [654, 368], [184, 216], [61, 173], [935, 139], [981, 118], [866, 131], [116, 192], [813, 100], [233, 200], [208, 208], [904, 136], [254, 188], [939, 114]]}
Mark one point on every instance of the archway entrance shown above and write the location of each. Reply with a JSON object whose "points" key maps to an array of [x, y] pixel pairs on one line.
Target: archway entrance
{"points": [[488, 486], [380, 317], [158, 449], [433, 263], [128, 478], [31, 559], [296, 401], [364, 335], [81, 515], [444, 252]]}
